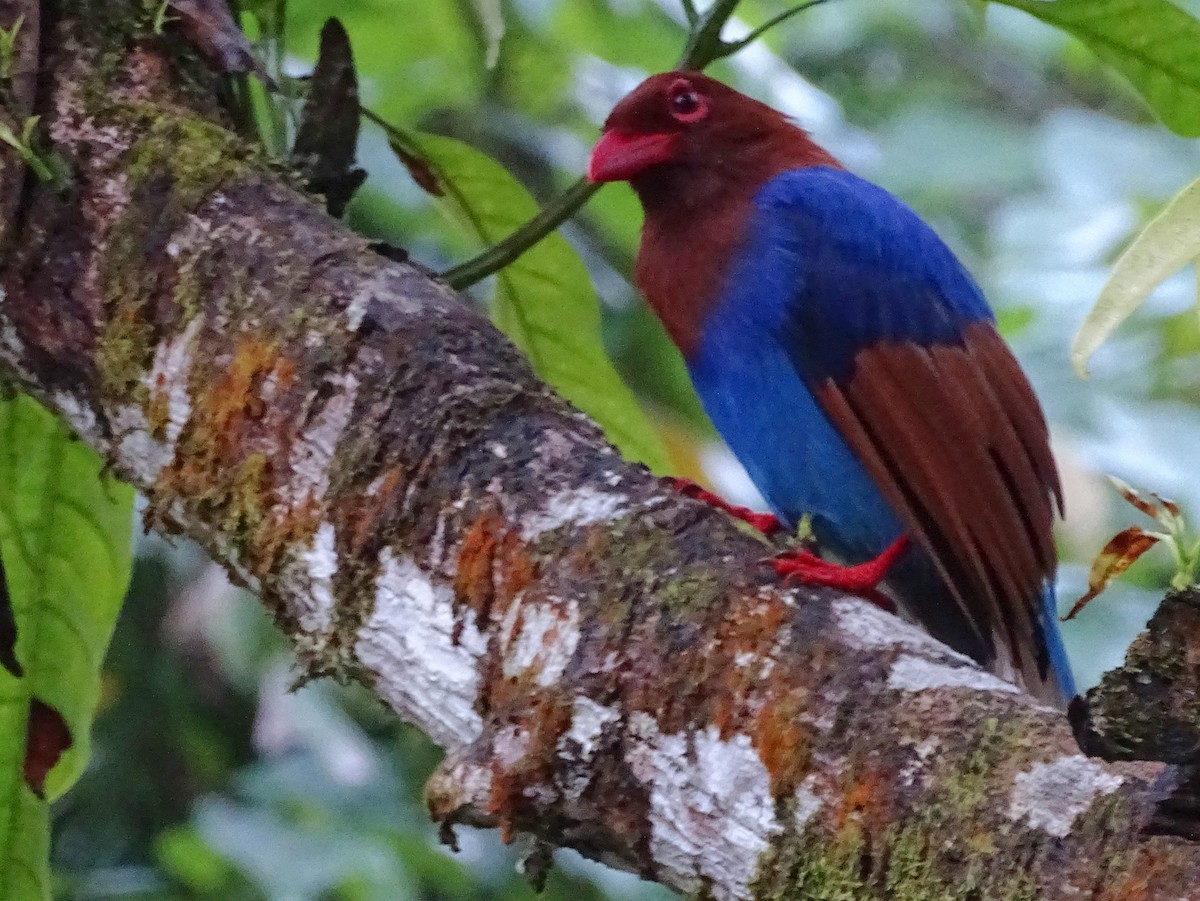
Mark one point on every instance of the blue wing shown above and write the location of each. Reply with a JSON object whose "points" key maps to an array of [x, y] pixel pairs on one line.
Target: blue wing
{"points": [[855, 369]]}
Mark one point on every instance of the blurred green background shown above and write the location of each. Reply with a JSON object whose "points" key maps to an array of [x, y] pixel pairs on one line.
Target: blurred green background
{"points": [[211, 780]]}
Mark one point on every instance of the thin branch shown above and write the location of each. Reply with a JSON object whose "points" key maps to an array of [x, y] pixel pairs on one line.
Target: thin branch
{"points": [[735, 46], [704, 43], [499, 255], [689, 10]]}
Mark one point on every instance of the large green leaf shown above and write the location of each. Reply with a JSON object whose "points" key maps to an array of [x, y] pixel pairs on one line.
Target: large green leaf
{"points": [[544, 301], [1153, 43], [1166, 245], [65, 539]]}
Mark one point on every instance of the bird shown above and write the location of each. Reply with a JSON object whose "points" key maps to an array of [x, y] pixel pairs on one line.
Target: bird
{"points": [[852, 365]]}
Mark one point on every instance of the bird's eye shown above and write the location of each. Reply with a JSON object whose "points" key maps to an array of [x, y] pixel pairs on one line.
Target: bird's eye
{"points": [[686, 104]]}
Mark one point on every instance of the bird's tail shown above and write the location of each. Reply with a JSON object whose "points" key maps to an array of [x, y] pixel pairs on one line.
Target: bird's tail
{"points": [[1059, 676]]}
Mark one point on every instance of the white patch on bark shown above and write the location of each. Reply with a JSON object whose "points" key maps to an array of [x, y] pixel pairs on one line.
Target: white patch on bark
{"points": [[868, 627], [711, 811], [588, 720], [576, 507], [376, 484], [910, 673], [139, 453], [539, 635], [168, 381], [808, 802], [425, 663], [82, 419], [580, 743], [357, 308], [510, 746], [314, 607], [1049, 796], [142, 455], [461, 781], [916, 767], [313, 453]]}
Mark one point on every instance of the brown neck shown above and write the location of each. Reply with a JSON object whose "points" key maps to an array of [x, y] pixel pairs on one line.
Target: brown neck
{"points": [[683, 258], [696, 216]]}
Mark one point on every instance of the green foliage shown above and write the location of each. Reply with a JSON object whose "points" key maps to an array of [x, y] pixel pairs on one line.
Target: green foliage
{"points": [[41, 164], [1151, 42], [544, 302], [1167, 244], [8, 47], [65, 535]]}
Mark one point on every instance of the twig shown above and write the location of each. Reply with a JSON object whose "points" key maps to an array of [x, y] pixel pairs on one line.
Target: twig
{"points": [[735, 46], [704, 43], [499, 255]]}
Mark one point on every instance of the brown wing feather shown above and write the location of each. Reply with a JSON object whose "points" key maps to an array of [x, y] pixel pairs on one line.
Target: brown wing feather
{"points": [[1024, 411], [955, 438]]}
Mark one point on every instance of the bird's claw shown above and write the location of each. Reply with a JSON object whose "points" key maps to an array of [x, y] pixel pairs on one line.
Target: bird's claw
{"points": [[767, 523], [863, 578]]}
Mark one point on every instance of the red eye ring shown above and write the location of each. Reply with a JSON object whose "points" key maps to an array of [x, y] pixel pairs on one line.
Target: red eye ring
{"points": [[685, 102]]}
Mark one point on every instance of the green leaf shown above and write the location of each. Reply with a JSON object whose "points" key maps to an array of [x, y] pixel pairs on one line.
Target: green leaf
{"points": [[65, 539], [1151, 42], [1166, 245], [544, 302]]}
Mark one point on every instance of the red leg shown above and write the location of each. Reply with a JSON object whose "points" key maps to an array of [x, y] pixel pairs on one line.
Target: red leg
{"points": [[806, 567], [766, 523]]}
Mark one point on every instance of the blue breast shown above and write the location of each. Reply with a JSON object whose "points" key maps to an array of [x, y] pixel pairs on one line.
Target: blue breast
{"points": [[764, 411], [829, 264]]}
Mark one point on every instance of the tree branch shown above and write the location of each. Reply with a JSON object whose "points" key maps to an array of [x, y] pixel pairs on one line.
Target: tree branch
{"points": [[606, 663], [1149, 709]]}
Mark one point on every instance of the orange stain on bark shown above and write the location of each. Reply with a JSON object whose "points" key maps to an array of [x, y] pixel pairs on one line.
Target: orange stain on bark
{"points": [[862, 801], [233, 453], [783, 745]]}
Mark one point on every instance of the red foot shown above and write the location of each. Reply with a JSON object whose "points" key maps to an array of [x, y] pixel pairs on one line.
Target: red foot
{"points": [[766, 523], [806, 567]]}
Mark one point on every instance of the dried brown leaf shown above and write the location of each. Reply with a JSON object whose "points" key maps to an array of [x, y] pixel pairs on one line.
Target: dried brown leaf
{"points": [[1134, 497], [1167, 504], [327, 139], [1116, 557]]}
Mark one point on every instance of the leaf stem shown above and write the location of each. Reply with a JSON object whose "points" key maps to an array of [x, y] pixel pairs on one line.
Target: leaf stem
{"points": [[758, 32], [499, 255], [704, 42]]}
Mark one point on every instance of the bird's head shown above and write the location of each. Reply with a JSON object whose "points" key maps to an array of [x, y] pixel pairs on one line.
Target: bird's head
{"points": [[696, 152], [683, 124]]}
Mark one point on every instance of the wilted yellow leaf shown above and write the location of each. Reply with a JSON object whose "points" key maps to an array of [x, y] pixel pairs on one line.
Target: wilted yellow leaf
{"points": [[1116, 557]]}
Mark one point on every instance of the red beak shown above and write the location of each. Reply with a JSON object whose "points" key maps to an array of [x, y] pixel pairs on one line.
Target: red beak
{"points": [[620, 155]]}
